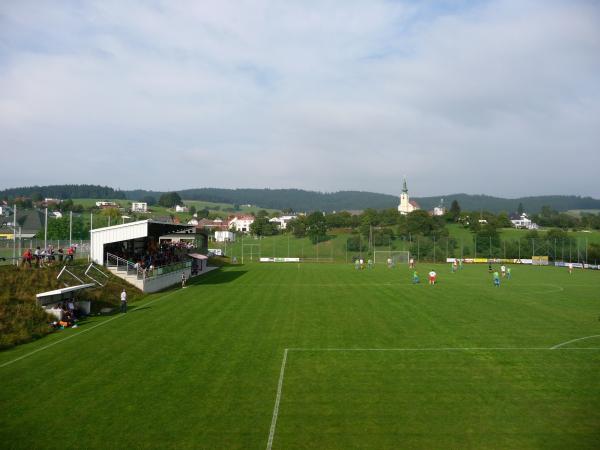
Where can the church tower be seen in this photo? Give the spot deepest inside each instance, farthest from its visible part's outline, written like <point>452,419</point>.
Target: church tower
<point>406,206</point>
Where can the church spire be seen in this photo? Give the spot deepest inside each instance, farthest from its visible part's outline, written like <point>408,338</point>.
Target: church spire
<point>404,188</point>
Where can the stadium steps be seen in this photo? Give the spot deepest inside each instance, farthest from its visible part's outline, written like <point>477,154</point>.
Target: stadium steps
<point>131,279</point>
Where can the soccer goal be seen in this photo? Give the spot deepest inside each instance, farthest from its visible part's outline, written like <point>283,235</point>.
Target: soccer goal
<point>396,256</point>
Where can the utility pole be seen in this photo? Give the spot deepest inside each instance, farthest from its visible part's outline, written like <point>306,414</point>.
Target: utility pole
<point>70,228</point>
<point>14,224</point>
<point>46,229</point>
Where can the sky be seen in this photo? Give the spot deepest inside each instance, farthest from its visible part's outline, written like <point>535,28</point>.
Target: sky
<point>482,97</point>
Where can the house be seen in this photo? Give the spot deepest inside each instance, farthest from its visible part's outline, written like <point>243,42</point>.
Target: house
<point>141,207</point>
<point>181,209</point>
<point>282,221</point>
<point>5,210</point>
<point>240,222</point>
<point>522,221</point>
<point>224,236</point>
<point>29,223</point>
<point>406,205</point>
<point>105,204</point>
<point>439,210</point>
<point>52,201</point>
<point>217,224</point>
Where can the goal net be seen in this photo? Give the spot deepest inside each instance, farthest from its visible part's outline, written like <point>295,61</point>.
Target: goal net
<point>395,257</point>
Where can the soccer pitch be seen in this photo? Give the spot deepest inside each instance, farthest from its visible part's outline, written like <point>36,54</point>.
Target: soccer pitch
<point>321,356</point>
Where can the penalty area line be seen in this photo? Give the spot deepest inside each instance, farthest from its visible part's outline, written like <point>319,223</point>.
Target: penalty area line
<point>560,346</point>
<point>277,401</point>
<point>443,349</point>
<point>85,330</point>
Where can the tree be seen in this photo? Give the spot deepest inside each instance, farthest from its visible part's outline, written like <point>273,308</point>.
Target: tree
<point>150,200</point>
<point>262,227</point>
<point>454,210</point>
<point>355,244</point>
<point>298,226</point>
<point>113,213</point>
<point>192,210</point>
<point>520,209</point>
<point>419,222</point>
<point>169,200</point>
<point>316,227</point>
<point>59,229</point>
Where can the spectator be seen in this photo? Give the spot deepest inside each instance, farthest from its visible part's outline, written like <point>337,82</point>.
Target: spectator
<point>123,301</point>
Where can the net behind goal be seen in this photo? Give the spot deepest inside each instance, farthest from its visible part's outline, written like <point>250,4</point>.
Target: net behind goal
<point>396,256</point>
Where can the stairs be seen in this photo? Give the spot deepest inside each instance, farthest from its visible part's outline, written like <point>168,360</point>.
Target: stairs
<point>124,275</point>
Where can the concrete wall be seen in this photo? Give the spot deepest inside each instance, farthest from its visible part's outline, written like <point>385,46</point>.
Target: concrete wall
<point>164,281</point>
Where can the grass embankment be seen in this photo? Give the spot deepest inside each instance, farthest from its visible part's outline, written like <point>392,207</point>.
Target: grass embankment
<point>22,320</point>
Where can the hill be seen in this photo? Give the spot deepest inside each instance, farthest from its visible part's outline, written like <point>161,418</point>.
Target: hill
<point>302,200</point>
<point>63,191</point>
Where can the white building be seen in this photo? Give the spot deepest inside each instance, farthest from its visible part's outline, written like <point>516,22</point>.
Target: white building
<point>406,205</point>
<point>224,236</point>
<point>105,204</point>
<point>141,207</point>
<point>439,210</point>
<point>523,221</point>
<point>282,221</point>
<point>241,223</point>
<point>181,208</point>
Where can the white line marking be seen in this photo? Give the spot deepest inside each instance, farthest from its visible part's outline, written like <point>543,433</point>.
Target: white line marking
<point>277,400</point>
<point>440,349</point>
<point>77,334</point>
<point>574,340</point>
<point>425,349</point>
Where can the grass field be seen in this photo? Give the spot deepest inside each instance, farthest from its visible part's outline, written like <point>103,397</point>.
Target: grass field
<point>321,356</point>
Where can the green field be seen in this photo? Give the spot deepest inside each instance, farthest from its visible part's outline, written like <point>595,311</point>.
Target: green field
<point>371,362</point>
<point>217,208</point>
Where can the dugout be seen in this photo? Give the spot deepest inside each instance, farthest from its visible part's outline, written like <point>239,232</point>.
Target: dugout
<point>52,300</point>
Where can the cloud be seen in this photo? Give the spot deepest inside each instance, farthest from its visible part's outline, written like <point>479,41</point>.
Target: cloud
<point>497,97</point>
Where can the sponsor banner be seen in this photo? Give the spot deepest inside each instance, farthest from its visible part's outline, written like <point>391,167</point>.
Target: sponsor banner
<point>577,265</point>
<point>279,259</point>
<point>491,260</point>
<point>216,251</point>
<point>539,260</point>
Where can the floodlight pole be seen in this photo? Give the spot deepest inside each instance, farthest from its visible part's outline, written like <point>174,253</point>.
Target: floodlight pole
<point>19,252</point>
<point>46,229</point>
<point>14,224</point>
<point>70,228</point>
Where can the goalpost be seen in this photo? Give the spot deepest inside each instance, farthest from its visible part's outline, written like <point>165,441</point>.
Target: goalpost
<point>397,256</point>
<point>252,251</point>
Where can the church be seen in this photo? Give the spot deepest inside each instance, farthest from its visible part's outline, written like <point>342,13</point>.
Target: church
<point>406,205</point>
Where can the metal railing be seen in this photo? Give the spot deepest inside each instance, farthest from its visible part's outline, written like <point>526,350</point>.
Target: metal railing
<point>123,265</point>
